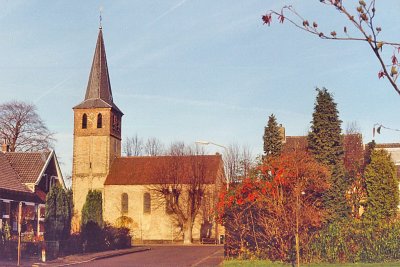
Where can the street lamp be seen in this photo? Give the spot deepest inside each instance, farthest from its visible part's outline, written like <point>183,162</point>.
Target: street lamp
<point>205,143</point>
<point>297,226</point>
<point>202,142</point>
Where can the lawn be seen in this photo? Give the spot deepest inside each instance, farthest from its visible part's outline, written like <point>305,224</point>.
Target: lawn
<point>256,263</point>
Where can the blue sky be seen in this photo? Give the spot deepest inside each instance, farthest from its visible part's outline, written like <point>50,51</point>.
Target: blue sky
<point>190,70</point>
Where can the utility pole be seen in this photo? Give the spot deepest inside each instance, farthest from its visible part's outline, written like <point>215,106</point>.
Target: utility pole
<point>297,230</point>
<point>19,232</point>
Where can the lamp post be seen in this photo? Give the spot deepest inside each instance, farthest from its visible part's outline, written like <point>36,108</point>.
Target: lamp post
<point>202,142</point>
<point>298,194</point>
<point>19,232</point>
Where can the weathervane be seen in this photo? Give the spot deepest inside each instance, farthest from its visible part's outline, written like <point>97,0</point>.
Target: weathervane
<point>100,18</point>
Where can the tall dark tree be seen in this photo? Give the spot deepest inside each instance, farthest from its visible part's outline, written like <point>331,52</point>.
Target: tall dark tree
<point>382,187</point>
<point>272,138</point>
<point>22,128</point>
<point>93,208</point>
<point>325,143</point>
<point>369,148</point>
<point>324,139</point>
<point>58,214</point>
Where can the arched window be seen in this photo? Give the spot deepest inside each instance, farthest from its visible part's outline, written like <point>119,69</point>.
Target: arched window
<point>84,121</point>
<point>99,120</point>
<point>146,203</point>
<point>124,203</point>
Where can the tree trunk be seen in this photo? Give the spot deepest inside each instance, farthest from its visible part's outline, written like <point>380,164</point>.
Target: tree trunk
<point>187,232</point>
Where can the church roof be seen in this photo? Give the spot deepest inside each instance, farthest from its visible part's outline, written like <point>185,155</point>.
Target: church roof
<point>295,143</point>
<point>165,169</point>
<point>98,91</point>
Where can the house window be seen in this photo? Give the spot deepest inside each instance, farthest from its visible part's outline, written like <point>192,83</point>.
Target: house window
<point>84,121</point>
<point>124,203</point>
<point>6,209</point>
<point>99,120</point>
<point>146,203</point>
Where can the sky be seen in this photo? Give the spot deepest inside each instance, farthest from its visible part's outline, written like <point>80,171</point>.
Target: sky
<point>187,70</point>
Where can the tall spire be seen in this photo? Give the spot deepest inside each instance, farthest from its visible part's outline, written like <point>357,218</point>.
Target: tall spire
<point>99,81</point>
<point>98,91</point>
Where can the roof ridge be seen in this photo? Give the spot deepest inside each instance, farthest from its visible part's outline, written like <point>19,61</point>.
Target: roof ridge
<point>165,156</point>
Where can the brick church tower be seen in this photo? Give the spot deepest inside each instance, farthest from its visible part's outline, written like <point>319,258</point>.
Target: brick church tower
<point>97,131</point>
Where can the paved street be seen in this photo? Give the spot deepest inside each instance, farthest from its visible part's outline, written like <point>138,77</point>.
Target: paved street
<point>166,256</point>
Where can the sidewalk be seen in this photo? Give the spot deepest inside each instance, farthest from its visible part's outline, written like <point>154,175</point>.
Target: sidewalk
<point>75,259</point>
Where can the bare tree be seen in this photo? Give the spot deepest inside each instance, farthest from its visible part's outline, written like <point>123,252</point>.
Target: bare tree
<point>133,146</point>
<point>362,18</point>
<point>153,147</point>
<point>23,129</point>
<point>238,161</point>
<point>354,165</point>
<point>183,185</point>
<point>178,149</point>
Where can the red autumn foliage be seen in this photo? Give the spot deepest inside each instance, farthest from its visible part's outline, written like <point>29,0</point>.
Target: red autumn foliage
<point>262,209</point>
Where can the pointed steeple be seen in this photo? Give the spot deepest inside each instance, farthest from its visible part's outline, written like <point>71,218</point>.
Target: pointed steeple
<point>98,91</point>
<point>99,81</point>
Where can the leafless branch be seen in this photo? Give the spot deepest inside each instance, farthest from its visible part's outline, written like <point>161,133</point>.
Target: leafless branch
<point>23,129</point>
<point>362,20</point>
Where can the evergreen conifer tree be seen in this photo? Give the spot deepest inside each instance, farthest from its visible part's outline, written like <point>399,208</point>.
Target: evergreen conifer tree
<point>324,139</point>
<point>58,214</point>
<point>93,208</point>
<point>369,148</point>
<point>335,201</point>
<point>272,138</point>
<point>382,187</point>
<point>325,143</point>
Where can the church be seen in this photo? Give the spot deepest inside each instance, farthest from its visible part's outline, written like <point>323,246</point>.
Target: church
<point>131,187</point>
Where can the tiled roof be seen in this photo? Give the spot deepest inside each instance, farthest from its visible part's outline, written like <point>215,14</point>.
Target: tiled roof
<point>9,179</point>
<point>28,165</point>
<point>164,169</point>
<point>98,92</point>
<point>295,143</point>
<point>388,145</point>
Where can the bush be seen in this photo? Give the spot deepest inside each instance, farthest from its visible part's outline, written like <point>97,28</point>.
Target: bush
<point>94,238</point>
<point>116,237</point>
<point>356,241</point>
<point>72,245</point>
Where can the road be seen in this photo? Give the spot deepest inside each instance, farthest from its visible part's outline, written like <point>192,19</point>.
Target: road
<point>166,255</point>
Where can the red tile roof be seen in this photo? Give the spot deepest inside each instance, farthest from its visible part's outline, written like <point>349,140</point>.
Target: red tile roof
<point>388,145</point>
<point>28,165</point>
<point>164,169</point>
<point>295,143</point>
<point>9,179</point>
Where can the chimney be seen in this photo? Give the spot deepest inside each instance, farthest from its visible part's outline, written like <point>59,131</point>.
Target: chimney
<point>5,147</point>
<point>281,130</point>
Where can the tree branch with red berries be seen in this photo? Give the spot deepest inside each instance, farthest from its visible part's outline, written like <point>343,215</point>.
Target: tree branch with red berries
<point>363,20</point>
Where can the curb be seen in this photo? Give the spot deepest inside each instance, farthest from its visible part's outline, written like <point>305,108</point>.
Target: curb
<point>107,255</point>
<point>118,254</point>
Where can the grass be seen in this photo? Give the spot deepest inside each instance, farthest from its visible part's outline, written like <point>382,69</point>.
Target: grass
<point>256,263</point>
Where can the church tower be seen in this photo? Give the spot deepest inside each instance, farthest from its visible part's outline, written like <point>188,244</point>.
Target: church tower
<point>97,131</point>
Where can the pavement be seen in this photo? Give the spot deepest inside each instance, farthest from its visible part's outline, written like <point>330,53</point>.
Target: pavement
<point>74,259</point>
